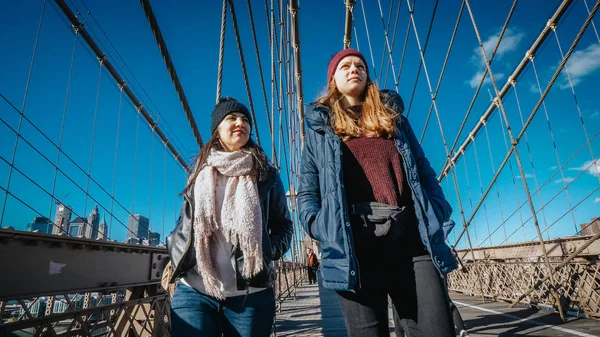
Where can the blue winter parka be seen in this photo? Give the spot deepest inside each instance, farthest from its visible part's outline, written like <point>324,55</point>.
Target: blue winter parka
<point>323,209</point>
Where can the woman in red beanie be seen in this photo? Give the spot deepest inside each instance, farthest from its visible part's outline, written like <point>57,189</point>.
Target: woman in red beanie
<point>368,194</point>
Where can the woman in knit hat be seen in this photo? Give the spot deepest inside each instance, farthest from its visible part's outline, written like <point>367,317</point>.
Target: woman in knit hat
<point>368,194</point>
<point>234,222</point>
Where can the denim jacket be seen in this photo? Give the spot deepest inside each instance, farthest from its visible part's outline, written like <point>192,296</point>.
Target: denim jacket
<point>323,209</point>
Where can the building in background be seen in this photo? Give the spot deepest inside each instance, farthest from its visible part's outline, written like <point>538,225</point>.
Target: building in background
<point>93,223</point>
<point>591,228</point>
<point>62,219</point>
<point>40,224</point>
<point>102,230</point>
<point>78,227</point>
<point>140,233</point>
<point>138,227</point>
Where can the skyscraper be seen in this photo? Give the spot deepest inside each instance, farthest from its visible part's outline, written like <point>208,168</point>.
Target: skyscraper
<point>140,232</point>
<point>93,222</point>
<point>102,230</point>
<point>139,227</point>
<point>62,219</point>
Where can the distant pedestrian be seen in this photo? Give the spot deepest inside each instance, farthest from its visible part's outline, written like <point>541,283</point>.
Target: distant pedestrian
<point>312,266</point>
<point>234,222</point>
<point>368,194</point>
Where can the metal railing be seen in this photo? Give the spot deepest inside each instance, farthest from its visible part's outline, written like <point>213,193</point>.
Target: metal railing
<point>507,272</point>
<point>92,288</point>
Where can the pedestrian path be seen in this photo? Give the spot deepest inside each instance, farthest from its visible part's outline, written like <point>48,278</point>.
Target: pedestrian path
<point>315,312</point>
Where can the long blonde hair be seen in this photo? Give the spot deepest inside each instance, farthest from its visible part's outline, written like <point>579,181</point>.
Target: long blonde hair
<point>375,120</point>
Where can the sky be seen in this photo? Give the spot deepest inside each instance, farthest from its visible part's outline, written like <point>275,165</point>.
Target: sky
<point>102,133</point>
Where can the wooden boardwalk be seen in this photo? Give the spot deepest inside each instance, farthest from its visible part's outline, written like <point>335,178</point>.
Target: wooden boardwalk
<point>315,312</point>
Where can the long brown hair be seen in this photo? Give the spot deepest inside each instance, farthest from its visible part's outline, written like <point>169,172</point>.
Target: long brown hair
<point>259,169</point>
<point>375,120</point>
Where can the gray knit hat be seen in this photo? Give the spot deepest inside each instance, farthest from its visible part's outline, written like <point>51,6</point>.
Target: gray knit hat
<point>224,107</point>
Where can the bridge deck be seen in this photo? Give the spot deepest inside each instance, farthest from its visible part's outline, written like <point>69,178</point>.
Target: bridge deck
<point>315,312</point>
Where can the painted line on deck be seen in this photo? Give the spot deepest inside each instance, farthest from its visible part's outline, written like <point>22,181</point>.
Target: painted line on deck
<point>527,320</point>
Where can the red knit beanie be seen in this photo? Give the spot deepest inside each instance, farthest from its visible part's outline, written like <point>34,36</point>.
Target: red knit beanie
<point>335,60</point>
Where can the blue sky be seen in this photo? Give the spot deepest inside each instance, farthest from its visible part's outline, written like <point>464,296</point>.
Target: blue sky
<point>191,30</point>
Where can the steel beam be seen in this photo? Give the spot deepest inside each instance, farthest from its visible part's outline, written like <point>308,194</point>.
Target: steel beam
<point>35,264</point>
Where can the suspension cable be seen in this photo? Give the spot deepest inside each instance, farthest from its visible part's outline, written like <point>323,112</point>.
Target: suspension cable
<point>355,33</point>
<point>349,16</point>
<point>481,191</point>
<point>387,68</point>
<point>14,153</point>
<point>550,179</point>
<point>114,179</point>
<point>408,28</point>
<point>593,25</point>
<point>368,37</point>
<point>135,157</point>
<point>56,167</point>
<point>387,43</point>
<point>162,47</point>
<point>64,117</point>
<point>533,171</point>
<point>262,83</point>
<point>512,174</point>
<point>513,141</point>
<point>298,66</point>
<point>118,79</point>
<point>576,101</point>
<point>514,76</point>
<point>443,71</point>
<point>422,60</point>
<point>433,99</point>
<point>89,172</point>
<point>221,50</point>
<point>537,106</point>
<point>552,139</point>
<point>243,64</point>
<point>387,28</point>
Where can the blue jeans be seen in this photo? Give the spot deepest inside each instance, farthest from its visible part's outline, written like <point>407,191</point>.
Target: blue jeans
<point>196,314</point>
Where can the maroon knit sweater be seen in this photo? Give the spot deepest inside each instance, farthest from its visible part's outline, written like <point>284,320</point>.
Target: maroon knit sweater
<point>373,172</point>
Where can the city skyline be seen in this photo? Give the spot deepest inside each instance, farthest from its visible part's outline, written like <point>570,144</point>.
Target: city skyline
<point>93,227</point>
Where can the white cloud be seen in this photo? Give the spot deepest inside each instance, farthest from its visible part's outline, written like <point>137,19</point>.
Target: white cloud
<point>580,64</point>
<point>474,81</point>
<point>534,88</point>
<point>566,180</point>
<point>591,166</point>
<point>527,176</point>
<point>597,201</point>
<point>509,43</point>
<point>594,114</point>
<point>553,168</point>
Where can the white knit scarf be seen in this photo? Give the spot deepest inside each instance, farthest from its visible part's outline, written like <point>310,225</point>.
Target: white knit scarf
<point>240,216</point>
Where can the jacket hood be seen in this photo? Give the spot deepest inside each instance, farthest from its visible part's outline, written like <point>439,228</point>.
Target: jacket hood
<point>318,116</point>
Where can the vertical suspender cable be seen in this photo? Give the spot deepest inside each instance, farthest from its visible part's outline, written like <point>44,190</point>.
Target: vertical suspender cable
<point>221,50</point>
<point>298,67</point>
<point>243,64</point>
<point>14,154</point>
